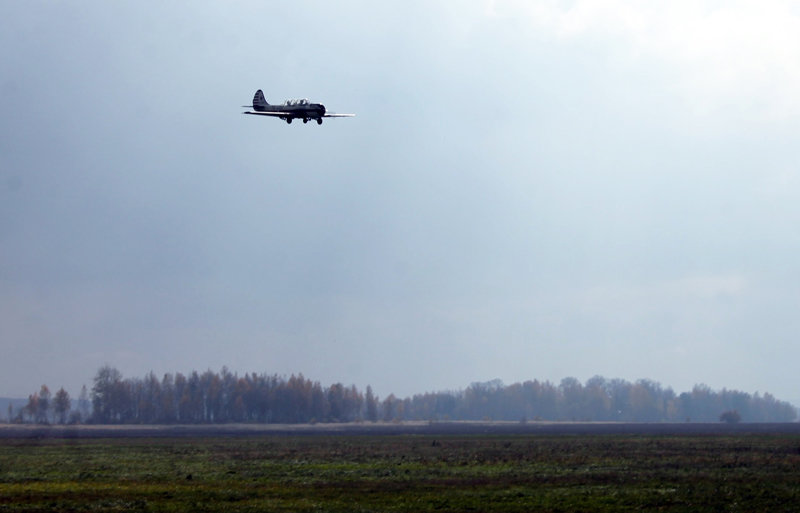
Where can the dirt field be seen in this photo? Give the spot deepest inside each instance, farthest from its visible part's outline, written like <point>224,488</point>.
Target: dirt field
<point>405,428</point>
<point>455,467</point>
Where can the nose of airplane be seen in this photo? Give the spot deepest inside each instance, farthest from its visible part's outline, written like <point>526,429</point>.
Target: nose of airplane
<point>322,107</point>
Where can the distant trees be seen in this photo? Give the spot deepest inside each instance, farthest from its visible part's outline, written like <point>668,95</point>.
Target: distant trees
<point>371,405</point>
<point>84,406</point>
<point>110,399</point>
<point>222,397</point>
<point>61,405</point>
<point>30,410</point>
<point>730,416</point>
<point>38,406</point>
<point>43,410</point>
<point>596,400</point>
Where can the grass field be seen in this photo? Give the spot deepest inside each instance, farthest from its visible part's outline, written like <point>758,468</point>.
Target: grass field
<point>403,473</point>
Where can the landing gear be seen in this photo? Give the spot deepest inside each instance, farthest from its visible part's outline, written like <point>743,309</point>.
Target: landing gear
<point>305,120</point>
<point>289,120</point>
<point>319,121</point>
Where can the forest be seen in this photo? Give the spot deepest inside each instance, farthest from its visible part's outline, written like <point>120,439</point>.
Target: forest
<point>225,397</point>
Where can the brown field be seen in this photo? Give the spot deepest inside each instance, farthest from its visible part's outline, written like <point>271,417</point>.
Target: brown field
<point>430,467</point>
<point>402,428</point>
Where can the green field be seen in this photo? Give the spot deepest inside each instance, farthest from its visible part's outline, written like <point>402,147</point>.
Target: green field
<point>403,473</point>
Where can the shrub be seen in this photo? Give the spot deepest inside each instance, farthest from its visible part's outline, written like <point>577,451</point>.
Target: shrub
<point>730,416</point>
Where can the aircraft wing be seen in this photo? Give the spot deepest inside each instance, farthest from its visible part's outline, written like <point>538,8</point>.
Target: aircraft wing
<point>334,115</point>
<point>266,113</point>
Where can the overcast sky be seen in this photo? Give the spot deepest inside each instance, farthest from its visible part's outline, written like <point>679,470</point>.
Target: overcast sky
<point>530,189</point>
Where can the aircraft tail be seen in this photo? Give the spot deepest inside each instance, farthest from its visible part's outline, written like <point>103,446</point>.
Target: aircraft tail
<point>259,100</point>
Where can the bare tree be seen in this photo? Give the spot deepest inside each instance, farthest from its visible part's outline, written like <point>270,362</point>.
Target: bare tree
<point>84,404</point>
<point>31,409</point>
<point>108,397</point>
<point>61,405</point>
<point>372,405</point>
<point>43,410</point>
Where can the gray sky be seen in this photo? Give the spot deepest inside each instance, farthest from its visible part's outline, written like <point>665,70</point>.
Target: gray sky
<point>530,189</point>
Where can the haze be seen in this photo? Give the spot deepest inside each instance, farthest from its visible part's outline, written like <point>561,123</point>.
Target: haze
<point>530,189</point>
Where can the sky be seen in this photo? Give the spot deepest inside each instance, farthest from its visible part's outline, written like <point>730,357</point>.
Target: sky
<point>529,190</point>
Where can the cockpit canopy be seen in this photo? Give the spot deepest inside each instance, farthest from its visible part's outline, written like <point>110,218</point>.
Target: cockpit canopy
<point>301,101</point>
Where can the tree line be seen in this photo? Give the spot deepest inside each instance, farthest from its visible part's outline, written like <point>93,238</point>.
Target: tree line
<point>224,397</point>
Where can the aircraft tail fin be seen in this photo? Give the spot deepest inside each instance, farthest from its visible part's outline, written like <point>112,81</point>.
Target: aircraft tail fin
<point>259,100</point>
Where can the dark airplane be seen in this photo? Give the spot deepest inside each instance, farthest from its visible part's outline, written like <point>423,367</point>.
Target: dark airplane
<point>291,109</point>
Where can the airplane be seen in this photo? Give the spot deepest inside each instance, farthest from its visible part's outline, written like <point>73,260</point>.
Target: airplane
<point>291,109</point>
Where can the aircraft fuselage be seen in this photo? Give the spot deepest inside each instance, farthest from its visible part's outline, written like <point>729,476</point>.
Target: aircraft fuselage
<point>310,111</point>
<point>291,109</point>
